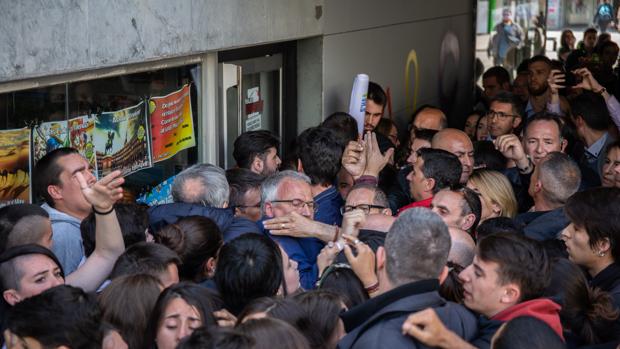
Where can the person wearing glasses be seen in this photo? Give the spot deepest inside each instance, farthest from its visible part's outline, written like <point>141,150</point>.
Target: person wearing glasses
<point>244,192</point>
<point>504,116</point>
<point>287,204</point>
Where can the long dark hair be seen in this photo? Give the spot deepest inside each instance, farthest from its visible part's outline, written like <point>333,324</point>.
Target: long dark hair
<point>197,296</point>
<point>587,313</point>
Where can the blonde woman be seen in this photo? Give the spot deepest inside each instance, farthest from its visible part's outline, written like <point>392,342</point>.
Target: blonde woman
<point>496,194</point>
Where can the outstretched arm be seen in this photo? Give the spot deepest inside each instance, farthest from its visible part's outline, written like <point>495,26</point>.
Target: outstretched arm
<point>109,243</point>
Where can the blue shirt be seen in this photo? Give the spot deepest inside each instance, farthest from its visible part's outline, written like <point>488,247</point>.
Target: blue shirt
<point>294,248</point>
<point>67,239</point>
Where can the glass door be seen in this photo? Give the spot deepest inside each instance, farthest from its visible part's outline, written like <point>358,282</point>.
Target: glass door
<point>251,99</point>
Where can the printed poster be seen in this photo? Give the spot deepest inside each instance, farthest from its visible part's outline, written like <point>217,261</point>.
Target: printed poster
<point>15,166</point>
<point>48,136</point>
<point>159,195</point>
<point>121,141</point>
<point>81,137</point>
<point>172,125</point>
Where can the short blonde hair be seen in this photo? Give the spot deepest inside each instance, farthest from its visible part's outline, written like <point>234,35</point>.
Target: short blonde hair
<point>495,187</point>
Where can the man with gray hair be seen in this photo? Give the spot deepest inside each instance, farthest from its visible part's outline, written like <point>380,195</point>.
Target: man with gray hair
<point>554,180</point>
<point>201,184</point>
<point>201,190</point>
<point>410,268</point>
<point>288,205</point>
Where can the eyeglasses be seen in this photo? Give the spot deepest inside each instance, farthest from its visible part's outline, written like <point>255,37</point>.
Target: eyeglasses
<point>297,203</point>
<point>491,114</point>
<point>364,207</point>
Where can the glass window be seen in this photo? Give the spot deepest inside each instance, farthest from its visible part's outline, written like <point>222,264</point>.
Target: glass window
<point>70,100</point>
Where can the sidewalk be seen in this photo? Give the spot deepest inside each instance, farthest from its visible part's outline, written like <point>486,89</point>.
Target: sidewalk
<point>482,40</point>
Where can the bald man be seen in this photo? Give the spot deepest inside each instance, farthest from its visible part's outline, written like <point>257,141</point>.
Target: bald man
<point>430,118</point>
<point>458,143</point>
<point>462,249</point>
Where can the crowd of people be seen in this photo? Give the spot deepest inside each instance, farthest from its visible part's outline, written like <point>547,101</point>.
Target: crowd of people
<point>503,234</point>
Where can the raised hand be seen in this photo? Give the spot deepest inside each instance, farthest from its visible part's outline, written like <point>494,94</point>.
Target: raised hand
<point>375,161</point>
<point>362,263</point>
<point>103,193</point>
<point>354,159</point>
<point>588,82</point>
<point>510,146</point>
<point>327,256</point>
<point>556,81</point>
<point>352,221</point>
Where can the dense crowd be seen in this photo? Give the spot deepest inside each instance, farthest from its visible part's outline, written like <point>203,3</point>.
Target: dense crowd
<point>503,234</point>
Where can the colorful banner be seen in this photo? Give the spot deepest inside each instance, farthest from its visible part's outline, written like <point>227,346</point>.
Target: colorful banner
<point>159,195</point>
<point>172,126</point>
<point>15,166</point>
<point>121,141</point>
<point>48,136</point>
<point>81,137</point>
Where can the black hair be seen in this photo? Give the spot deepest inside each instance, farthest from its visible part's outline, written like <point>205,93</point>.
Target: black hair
<point>508,98</point>
<point>198,297</point>
<point>320,153</point>
<point>343,281</point>
<point>286,309</point>
<point>471,204</point>
<point>487,156</point>
<point>344,125</point>
<point>497,225</point>
<point>251,144</point>
<point>60,316</point>
<point>270,333</point>
<point>47,172</point>
<point>520,260</point>
<point>195,239</point>
<point>442,166</point>
<point>384,127</point>
<point>499,73</point>
<point>9,275</point>
<point>11,215</point>
<point>451,288</point>
<point>586,312</point>
<point>540,58</point>
<point>523,66</point>
<point>425,134</point>
<point>241,180</point>
<point>323,309</point>
<point>144,258</point>
<point>527,332</point>
<point>249,267</point>
<point>597,212</point>
<point>547,117</point>
<point>132,218</point>
<point>376,94</point>
<point>592,109</point>
<point>127,303</point>
<point>216,338</point>
<point>590,31</point>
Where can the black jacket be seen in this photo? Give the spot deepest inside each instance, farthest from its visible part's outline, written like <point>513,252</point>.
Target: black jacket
<point>231,226</point>
<point>377,323</point>
<point>543,226</point>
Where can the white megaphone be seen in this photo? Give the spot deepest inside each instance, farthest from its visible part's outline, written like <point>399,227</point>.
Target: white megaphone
<point>357,105</point>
